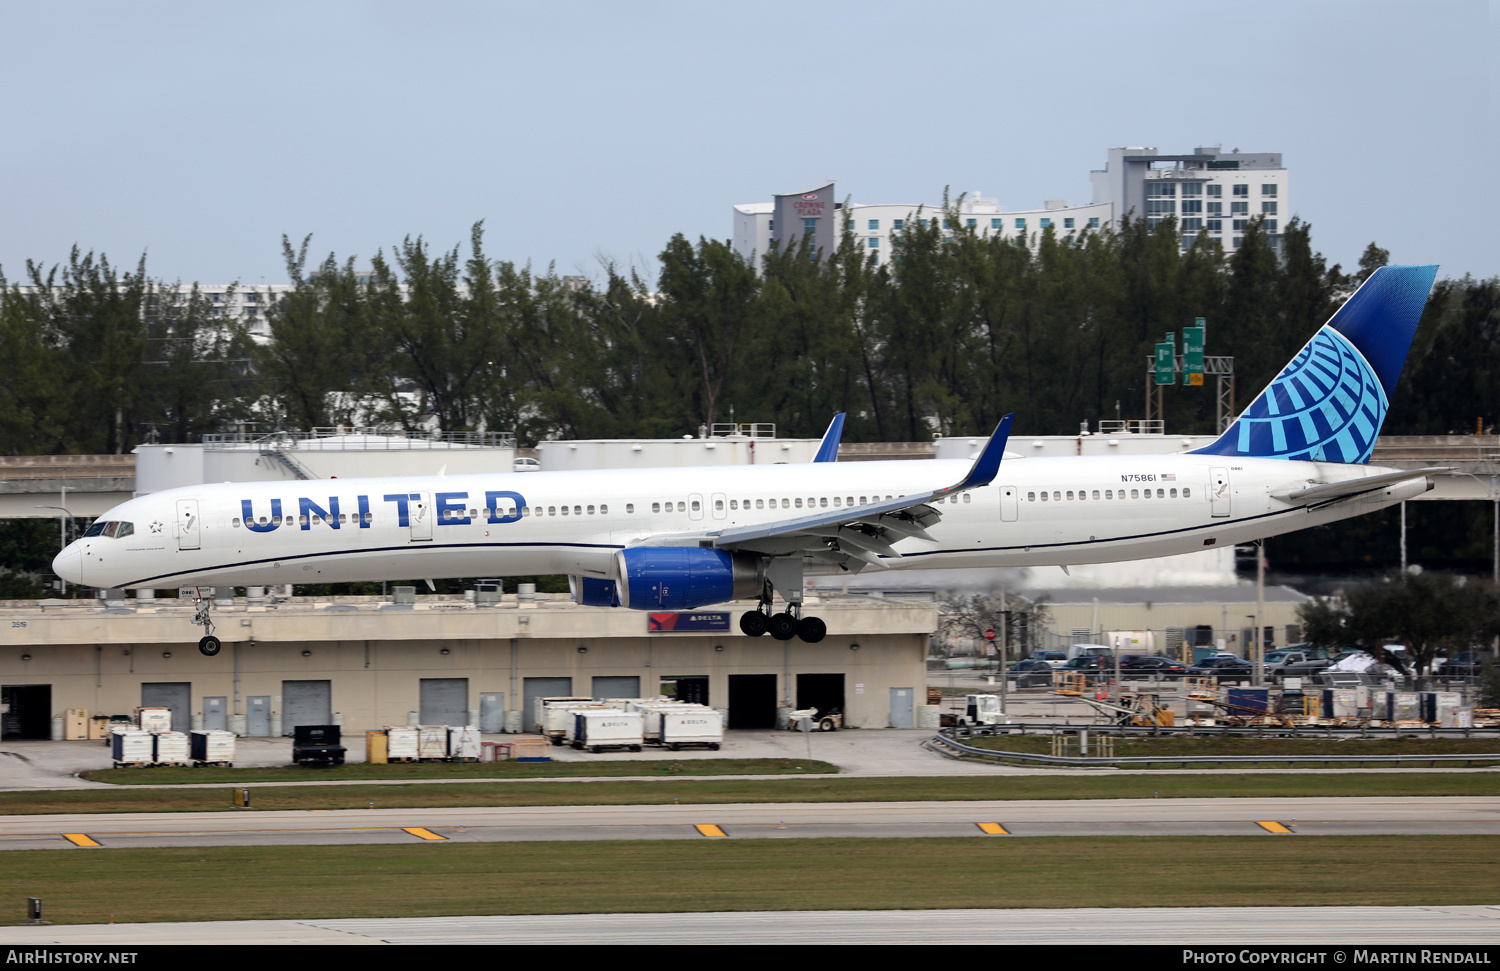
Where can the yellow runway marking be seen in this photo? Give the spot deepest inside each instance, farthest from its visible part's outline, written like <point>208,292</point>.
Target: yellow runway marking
<point>709,829</point>
<point>421,832</point>
<point>80,839</point>
<point>1272,827</point>
<point>993,829</point>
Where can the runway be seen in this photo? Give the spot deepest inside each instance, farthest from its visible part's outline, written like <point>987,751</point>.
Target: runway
<point>1450,815</point>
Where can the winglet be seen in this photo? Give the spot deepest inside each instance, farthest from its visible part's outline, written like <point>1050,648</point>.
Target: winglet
<point>988,463</point>
<point>828,449</point>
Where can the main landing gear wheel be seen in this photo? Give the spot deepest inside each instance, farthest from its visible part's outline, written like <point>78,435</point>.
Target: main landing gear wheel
<point>209,645</point>
<point>811,629</point>
<point>754,623</point>
<point>783,627</point>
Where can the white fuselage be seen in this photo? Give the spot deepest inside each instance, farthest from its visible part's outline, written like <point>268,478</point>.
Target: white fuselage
<point>1096,509</point>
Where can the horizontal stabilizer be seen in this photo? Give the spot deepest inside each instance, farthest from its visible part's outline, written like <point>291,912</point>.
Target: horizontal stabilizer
<point>1352,487</point>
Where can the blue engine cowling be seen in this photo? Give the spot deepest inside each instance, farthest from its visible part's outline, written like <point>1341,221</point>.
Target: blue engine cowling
<point>592,592</point>
<point>686,577</point>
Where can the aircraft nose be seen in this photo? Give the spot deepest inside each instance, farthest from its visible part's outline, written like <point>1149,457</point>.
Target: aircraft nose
<point>69,564</point>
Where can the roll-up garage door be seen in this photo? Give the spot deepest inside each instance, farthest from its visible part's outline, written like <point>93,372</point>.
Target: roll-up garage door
<point>445,701</point>
<point>305,703</point>
<point>176,695</point>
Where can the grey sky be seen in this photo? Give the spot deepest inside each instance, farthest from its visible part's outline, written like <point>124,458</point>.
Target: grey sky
<point>581,131</point>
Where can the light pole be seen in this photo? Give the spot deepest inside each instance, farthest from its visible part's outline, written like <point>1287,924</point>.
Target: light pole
<point>63,523</point>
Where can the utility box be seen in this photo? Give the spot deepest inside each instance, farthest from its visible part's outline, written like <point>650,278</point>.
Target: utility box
<point>400,743</point>
<point>130,746</point>
<point>463,744</point>
<point>211,747</point>
<point>153,719</point>
<point>375,748</point>
<point>597,729</point>
<point>702,727</point>
<point>75,725</point>
<point>170,748</point>
<point>1249,701</point>
<point>432,742</point>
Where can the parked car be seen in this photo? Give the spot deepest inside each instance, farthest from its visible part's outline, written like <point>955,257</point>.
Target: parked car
<point>1222,668</point>
<point>1030,674</point>
<point>1310,668</point>
<point>1088,662</point>
<point>1278,661</point>
<point>1464,664</point>
<point>1055,659</point>
<point>1091,666</point>
<point>524,464</point>
<point>1136,668</point>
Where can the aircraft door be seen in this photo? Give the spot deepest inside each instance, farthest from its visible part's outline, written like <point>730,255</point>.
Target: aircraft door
<point>421,516</point>
<point>187,524</point>
<point>720,505</point>
<point>1009,507</point>
<point>695,506</point>
<point>1218,491</point>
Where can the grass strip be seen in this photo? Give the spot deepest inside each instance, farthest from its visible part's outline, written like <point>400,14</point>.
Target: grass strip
<point>1413,747</point>
<point>667,768</point>
<point>647,876</point>
<point>701,791</point>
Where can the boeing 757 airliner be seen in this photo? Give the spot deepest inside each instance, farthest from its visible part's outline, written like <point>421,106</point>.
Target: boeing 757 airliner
<point>679,539</point>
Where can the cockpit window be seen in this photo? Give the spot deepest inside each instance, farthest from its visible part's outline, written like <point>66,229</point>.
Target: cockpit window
<point>113,529</point>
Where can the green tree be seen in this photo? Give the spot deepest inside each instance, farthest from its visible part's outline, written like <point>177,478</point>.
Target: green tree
<point>325,357</point>
<point>1422,611</point>
<point>710,307</point>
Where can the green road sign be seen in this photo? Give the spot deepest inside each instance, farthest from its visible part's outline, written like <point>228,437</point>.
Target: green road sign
<point>1192,354</point>
<point>1166,354</point>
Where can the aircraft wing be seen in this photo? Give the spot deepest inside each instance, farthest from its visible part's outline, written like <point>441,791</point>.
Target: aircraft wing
<point>1351,487</point>
<point>828,449</point>
<point>854,536</point>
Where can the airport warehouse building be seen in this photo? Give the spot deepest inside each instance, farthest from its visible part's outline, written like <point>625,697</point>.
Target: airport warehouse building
<point>364,664</point>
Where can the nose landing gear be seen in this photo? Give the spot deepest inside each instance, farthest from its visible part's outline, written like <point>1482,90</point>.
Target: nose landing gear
<point>208,644</point>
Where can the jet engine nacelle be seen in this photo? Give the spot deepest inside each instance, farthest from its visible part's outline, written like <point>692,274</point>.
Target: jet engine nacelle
<point>592,592</point>
<point>685,577</point>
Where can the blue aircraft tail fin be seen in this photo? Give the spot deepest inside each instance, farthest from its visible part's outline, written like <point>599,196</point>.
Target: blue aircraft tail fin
<point>1328,404</point>
<point>828,449</point>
